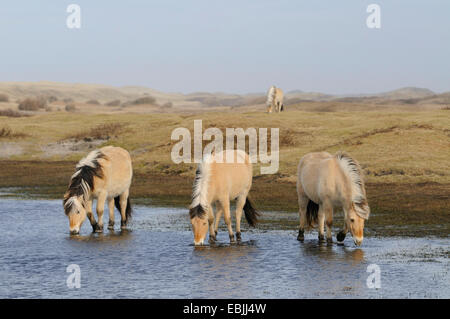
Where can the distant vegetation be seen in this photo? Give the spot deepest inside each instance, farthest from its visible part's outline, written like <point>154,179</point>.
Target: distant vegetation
<point>99,132</point>
<point>4,98</point>
<point>144,100</point>
<point>33,104</point>
<point>113,103</point>
<point>51,99</point>
<point>71,108</point>
<point>93,102</point>
<point>11,113</point>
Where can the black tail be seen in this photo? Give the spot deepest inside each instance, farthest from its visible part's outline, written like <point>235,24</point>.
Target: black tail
<point>250,213</point>
<point>128,210</point>
<point>312,213</point>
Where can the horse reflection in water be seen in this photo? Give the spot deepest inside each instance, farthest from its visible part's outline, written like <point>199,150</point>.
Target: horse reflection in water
<point>110,237</point>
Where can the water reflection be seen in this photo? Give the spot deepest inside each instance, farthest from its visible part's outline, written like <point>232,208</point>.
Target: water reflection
<point>224,269</point>
<point>332,251</point>
<point>110,236</point>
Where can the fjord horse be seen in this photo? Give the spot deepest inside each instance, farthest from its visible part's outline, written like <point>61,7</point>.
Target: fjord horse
<point>220,178</point>
<point>325,182</point>
<point>274,99</point>
<point>104,174</point>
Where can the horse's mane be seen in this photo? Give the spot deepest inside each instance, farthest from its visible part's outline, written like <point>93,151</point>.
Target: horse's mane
<point>200,190</point>
<point>352,168</point>
<point>271,95</point>
<point>82,181</point>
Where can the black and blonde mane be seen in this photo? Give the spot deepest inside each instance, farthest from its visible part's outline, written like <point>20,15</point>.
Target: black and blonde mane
<point>82,182</point>
<point>352,168</point>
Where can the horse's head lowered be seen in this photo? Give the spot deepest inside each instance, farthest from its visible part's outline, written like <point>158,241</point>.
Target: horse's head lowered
<point>199,221</point>
<point>76,212</point>
<point>354,220</point>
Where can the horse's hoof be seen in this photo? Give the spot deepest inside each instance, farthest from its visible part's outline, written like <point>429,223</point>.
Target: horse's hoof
<point>215,233</point>
<point>111,226</point>
<point>212,239</point>
<point>329,240</point>
<point>238,237</point>
<point>321,238</point>
<point>340,236</point>
<point>301,235</point>
<point>232,240</point>
<point>99,229</point>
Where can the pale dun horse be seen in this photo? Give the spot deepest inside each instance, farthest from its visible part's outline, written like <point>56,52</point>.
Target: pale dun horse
<point>105,174</point>
<point>220,178</point>
<point>274,100</point>
<point>326,182</point>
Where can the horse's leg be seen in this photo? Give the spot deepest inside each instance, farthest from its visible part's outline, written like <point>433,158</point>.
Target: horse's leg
<point>219,210</point>
<point>225,202</point>
<point>329,222</point>
<point>123,208</point>
<point>341,235</point>
<point>90,215</point>
<point>240,202</point>
<point>212,234</point>
<point>100,208</point>
<point>302,204</point>
<point>321,221</point>
<point>269,109</point>
<point>111,213</point>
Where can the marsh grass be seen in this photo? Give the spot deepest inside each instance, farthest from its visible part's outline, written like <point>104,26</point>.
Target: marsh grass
<point>99,132</point>
<point>7,132</point>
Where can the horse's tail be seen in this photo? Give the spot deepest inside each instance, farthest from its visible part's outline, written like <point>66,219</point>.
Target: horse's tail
<point>82,181</point>
<point>200,191</point>
<point>312,213</point>
<point>250,213</point>
<point>128,209</point>
<point>271,95</point>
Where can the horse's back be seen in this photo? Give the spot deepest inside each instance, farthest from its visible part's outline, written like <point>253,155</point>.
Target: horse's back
<point>321,178</point>
<point>117,170</point>
<point>314,175</point>
<point>231,178</point>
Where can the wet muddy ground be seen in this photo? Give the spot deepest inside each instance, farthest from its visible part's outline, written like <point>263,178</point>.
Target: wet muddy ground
<point>156,259</point>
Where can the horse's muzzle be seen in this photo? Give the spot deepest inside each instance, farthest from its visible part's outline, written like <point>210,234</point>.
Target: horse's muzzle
<point>74,232</point>
<point>358,242</point>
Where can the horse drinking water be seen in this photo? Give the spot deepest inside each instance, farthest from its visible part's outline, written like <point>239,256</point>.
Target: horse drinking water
<point>105,174</point>
<point>325,182</point>
<point>220,178</point>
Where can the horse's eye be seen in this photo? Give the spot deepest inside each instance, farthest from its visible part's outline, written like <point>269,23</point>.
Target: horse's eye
<point>352,220</point>
<point>204,224</point>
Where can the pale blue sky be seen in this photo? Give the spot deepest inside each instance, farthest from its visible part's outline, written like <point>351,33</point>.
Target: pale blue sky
<point>229,46</point>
